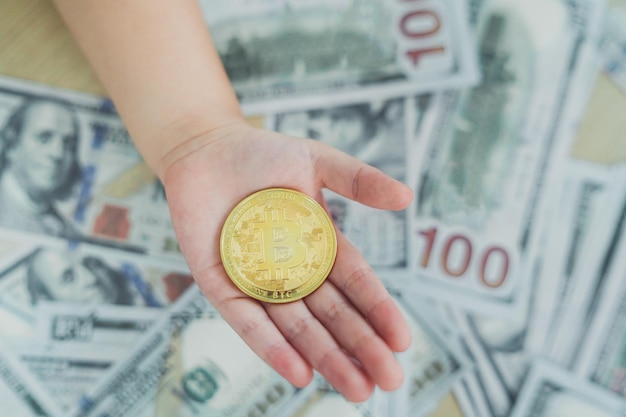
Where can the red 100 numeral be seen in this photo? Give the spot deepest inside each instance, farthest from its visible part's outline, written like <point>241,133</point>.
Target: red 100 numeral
<point>420,24</point>
<point>466,245</point>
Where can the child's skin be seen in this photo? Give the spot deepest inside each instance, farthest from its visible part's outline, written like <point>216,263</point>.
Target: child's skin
<point>157,62</point>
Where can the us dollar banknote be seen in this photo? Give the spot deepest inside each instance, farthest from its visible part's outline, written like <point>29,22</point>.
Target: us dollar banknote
<point>20,393</point>
<point>68,372</point>
<point>487,158</point>
<point>601,357</point>
<point>68,168</point>
<point>470,397</point>
<point>432,364</point>
<point>324,401</point>
<point>288,54</point>
<point>53,270</point>
<point>487,340</point>
<point>567,280</point>
<point>551,391</point>
<point>502,347</point>
<point>190,363</point>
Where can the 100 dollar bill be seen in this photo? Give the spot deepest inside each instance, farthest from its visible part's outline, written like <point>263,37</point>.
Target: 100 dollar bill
<point>288,54</point>
<point>55,271</point>
<point>550,391</point>
<point>576,244</point>
<point>191,363</point>
<point>432,364</point>
<point>324,401</point>
<point>601,358</point>
<point>68,168</point>
<point>20,394</point>
<point>488,156</point>
<point>68,372</point>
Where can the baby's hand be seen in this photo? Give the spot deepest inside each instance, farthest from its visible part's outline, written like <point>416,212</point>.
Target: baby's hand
<point>349,328</point>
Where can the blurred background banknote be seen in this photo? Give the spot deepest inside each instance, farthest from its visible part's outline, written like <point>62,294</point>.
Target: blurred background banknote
<point>86,182</point>
<point>613,46</point>
<point>508,266</point>
<point>296,53</point>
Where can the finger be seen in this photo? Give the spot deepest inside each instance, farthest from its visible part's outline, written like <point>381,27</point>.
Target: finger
<point>250,320</point>
<point>312,340</point>
<point>358,181</point>
<point>355,335</point>
<point>353,276</point>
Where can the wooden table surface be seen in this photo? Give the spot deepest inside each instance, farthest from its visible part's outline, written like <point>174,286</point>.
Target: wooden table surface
<point>35,45</point>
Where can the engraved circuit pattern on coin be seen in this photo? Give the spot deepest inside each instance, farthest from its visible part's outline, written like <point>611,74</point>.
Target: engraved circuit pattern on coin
<point>278,245</point>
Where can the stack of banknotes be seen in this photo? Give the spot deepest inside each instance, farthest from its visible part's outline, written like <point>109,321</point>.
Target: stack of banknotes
<point>510,265</point>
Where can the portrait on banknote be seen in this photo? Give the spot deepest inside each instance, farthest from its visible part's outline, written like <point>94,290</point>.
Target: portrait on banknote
<point>51,276</point>
<point>82,275</point>
<point>56,275</point>
<point>69,169</point>
<point>38,166</point>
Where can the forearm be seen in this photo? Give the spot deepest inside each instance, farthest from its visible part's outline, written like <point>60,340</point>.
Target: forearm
<point>158,63</point>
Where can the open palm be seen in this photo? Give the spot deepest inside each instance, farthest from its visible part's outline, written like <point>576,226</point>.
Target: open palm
<point>349,328</point>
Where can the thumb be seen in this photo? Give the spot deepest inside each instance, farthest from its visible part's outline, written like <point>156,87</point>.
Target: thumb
<point>357,180</point>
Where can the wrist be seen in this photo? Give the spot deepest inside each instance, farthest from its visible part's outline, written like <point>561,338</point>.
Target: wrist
<point>179,140</point>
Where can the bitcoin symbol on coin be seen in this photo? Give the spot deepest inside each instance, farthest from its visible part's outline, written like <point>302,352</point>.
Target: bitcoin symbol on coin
<point>281,248</point>
<point>278,245</point>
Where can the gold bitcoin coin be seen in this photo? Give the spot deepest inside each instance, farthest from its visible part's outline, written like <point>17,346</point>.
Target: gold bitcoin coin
<point>278,245</point>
